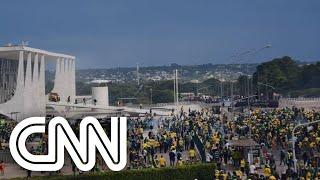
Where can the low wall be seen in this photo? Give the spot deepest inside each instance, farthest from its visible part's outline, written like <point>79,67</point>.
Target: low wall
<point>307,103</point>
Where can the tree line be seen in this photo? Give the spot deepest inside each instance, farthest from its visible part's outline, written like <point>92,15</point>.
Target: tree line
<point>284,76</point>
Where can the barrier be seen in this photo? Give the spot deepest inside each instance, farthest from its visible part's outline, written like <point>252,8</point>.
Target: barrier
<point>200,147</point>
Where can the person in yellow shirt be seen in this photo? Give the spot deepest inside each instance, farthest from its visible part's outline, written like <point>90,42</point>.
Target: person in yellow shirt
<point>192,155</point>
<point>239,174</point>
<point>140,130</point>
<point>180,162</point>
<point>267,171</point>
<point>272,178</point>
<point>223,175</point>
<point>242,165</point>
<point>216,174</point>
<point>308,176</point>
<point>162,161</point>
<point>312,144</point>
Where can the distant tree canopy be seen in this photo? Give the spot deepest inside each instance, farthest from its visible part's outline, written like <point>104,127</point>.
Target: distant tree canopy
<point>285,75</point>
<point>243,85</point>
<point>162,91</point>
<point>310,76</point>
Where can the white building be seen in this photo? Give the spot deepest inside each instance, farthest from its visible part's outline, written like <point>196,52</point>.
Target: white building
<point>22,81</point>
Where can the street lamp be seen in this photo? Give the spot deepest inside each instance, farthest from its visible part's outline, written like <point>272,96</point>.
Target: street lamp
<point>266,85</point>
<point>151,96</point>
<point>249,53</point>
<point>252,53</point>
<point>221,89</point>
<point>293,142</point>
<point>232,101</point>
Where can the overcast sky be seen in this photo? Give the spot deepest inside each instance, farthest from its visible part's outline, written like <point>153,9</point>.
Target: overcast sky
<point>115,33</point>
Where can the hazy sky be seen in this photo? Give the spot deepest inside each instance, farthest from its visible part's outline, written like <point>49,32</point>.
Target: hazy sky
<point>115,33</point>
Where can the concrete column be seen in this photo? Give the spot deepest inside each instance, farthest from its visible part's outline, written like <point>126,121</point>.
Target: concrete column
<point>66,65</point>
<point>16,103</point>
<point>20,76</point>
<point>70,79</point>
<point>58,68</point>
<point>35,69</point>
<point>57,76</point>
<point>73,79</point>
<point>62,81</point>
<point>28,99</point>
<point>42,87</point>
<point>66,80</point>
<point>28,78</point>
<point>35,86</point>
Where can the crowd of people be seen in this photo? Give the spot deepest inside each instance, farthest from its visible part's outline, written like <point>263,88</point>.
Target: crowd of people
<point>201,136</point>
<point>271,129</point>
<point>6,127</point>
<point>147,146</point>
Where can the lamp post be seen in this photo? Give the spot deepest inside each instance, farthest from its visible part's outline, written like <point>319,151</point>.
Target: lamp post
<point>248,53</point>
<point>266,85</point>
<point>150,96</point>
<point>293,141</point>
<point>252,53</point>
<point>232,101</point>
<point>174,87</point>
<point>248,89</point>
<point>138,76</point>
<point>221,89</point>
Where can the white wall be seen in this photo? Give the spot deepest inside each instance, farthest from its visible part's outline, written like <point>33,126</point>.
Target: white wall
<point>101,94</point>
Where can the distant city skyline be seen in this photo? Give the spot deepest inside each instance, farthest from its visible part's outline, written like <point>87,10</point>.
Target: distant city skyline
<point>106,34</point>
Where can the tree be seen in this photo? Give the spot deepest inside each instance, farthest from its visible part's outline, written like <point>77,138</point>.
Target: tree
<point>281,73</point>
<point>285,75</point>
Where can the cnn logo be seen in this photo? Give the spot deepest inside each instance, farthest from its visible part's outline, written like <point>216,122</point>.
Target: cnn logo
<point>61,137</point>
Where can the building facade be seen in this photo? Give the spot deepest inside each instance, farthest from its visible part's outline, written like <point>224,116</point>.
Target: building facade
<point>22,81</point>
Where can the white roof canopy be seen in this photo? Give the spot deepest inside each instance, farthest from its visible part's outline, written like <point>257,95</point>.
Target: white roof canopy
<point>12,52</point>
